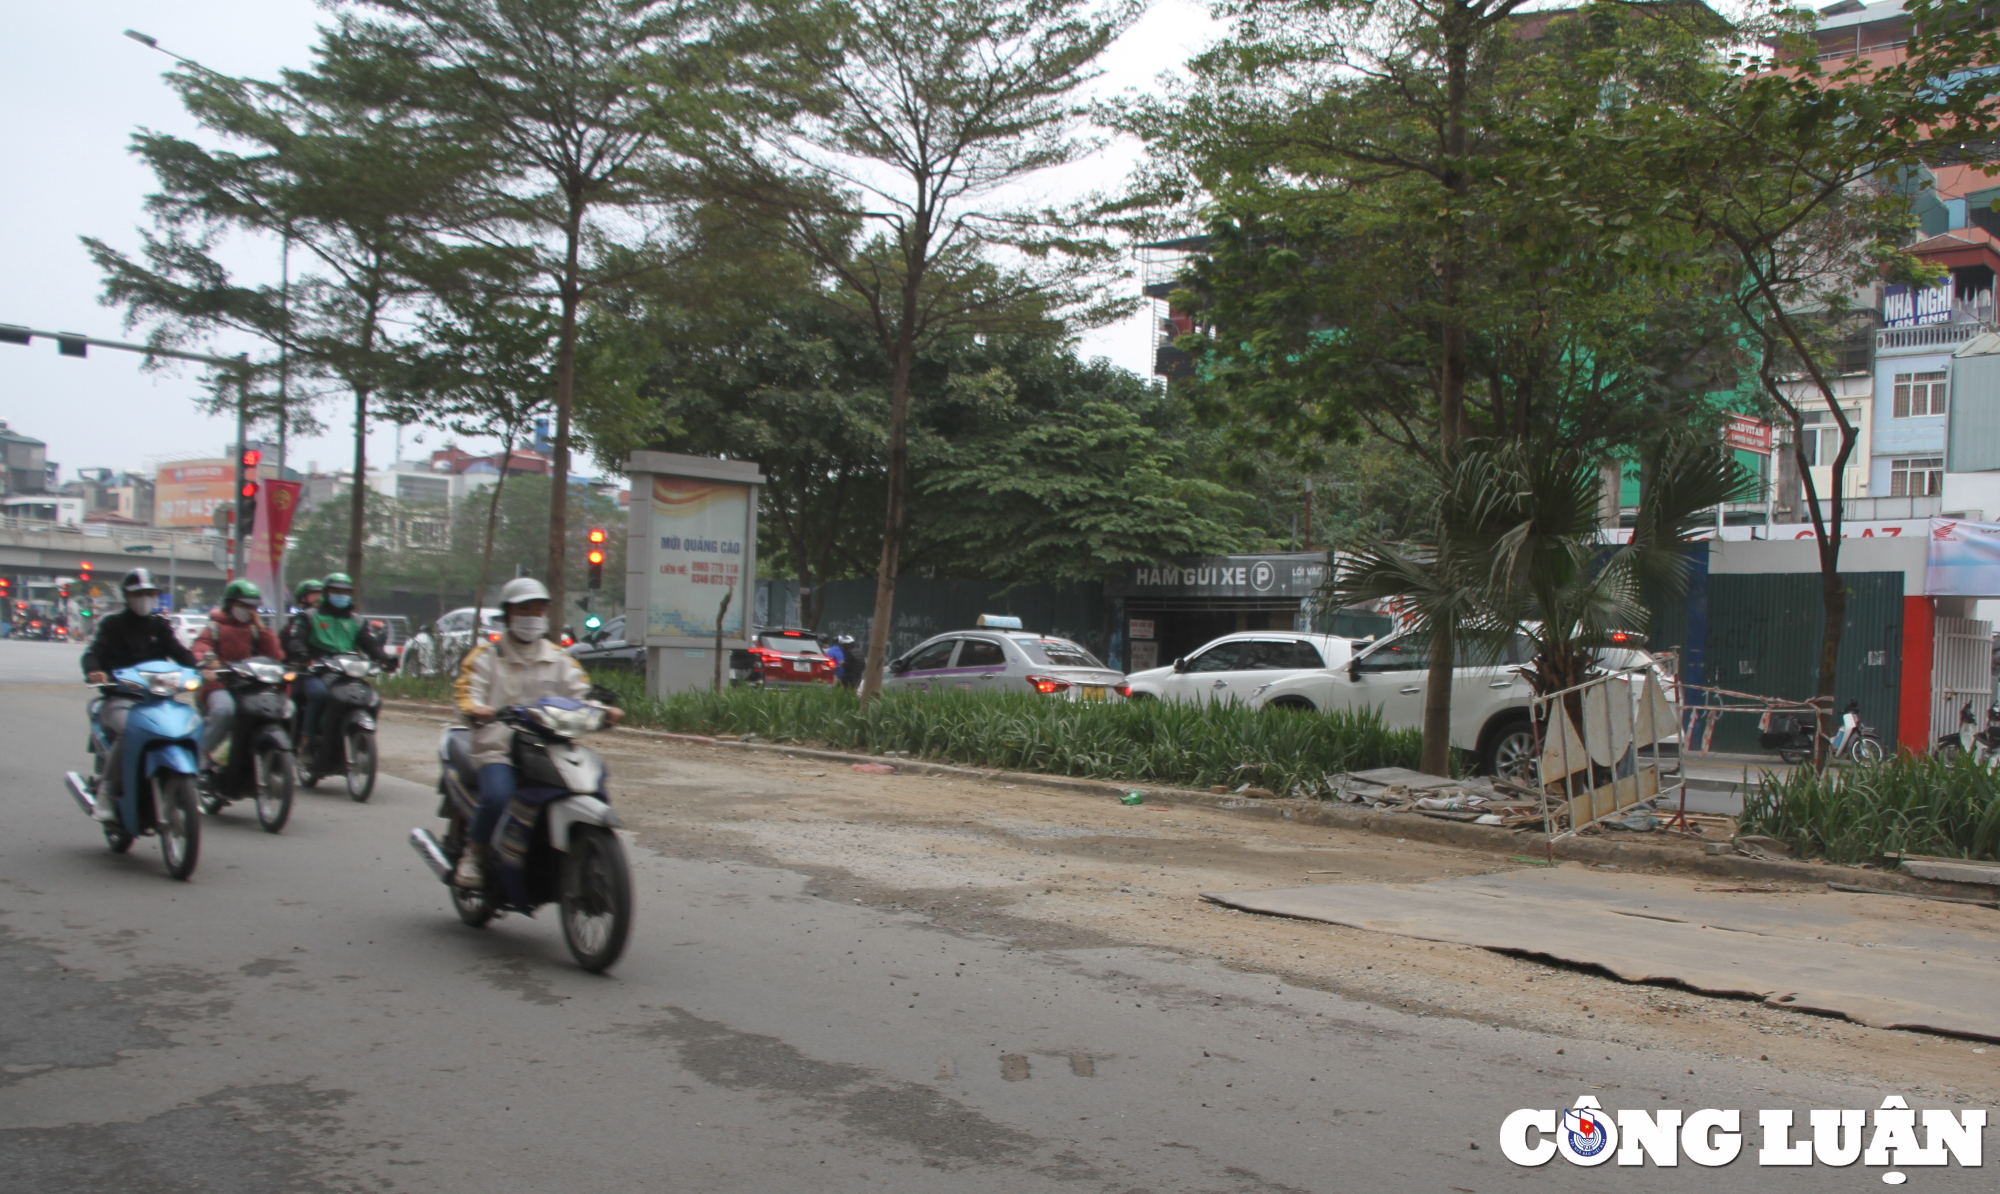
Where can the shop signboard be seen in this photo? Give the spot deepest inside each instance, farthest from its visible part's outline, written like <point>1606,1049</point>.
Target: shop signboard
<point>1274,575</point>
<point>691,540</point>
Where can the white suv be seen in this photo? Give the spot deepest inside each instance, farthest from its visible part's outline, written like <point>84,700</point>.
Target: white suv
<point>1237,665</point>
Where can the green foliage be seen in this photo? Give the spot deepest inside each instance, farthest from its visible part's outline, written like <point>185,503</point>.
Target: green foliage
<point>1862,812</point>
<point>1154,742</point>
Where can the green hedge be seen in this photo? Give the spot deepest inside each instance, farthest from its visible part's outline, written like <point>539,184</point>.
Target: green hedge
<point>1144,742</point>
<point>1902,805</point>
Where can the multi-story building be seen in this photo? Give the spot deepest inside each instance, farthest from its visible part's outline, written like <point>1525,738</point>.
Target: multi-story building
<point>24,465</point>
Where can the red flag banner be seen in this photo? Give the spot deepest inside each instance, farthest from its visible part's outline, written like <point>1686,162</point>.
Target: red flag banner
<point>277,503</point>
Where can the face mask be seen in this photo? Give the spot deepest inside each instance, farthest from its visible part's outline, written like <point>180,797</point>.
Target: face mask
<point>528,629</point>
<point>241,613</point>
<point>339,600</point>
<point>141,605</point>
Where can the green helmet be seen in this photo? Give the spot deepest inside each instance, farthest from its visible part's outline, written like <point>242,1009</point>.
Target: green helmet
<point>242,590</point>
<point>339,580</point>
<point>306,586</point>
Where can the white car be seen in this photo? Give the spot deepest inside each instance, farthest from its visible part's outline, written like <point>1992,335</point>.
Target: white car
<point>439,648</point>
<point>1004,661</point>
<point>188,626</point>
<point>1236,665</point>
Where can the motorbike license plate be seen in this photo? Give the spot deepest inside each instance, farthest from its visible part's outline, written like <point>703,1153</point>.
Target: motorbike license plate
<point>1092,692</point>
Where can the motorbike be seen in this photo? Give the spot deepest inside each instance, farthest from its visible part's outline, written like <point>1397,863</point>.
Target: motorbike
<point>555,842</point>
<point>1982,745</point>
<point>1793,738</point>
<point>256,761</point>
<point>162,743</point>
<point>344,741</point>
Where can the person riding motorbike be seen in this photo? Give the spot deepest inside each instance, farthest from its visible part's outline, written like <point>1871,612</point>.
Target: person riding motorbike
<point>332,629</point>
<point>234,632</point>
<point>523,666</point>
<point>849,672</point>
<point>292,638</point>
<point>135,635</point>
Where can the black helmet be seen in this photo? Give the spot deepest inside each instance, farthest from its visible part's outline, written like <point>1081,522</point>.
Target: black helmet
<point>139,580</point>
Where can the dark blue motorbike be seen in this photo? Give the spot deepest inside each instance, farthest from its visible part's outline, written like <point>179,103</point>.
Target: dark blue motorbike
<point>555,844</point>
<point>162,746</point>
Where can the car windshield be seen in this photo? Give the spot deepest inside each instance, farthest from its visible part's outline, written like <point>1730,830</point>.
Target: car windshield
<point>788,643</point>
<point>1056,652</point>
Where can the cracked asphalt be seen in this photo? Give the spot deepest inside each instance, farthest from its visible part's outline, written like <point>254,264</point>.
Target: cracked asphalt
<point>306,1015</point>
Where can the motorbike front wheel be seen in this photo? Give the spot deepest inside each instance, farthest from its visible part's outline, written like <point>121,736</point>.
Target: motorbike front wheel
<point>179,823</point>
<point>360,763</point>
<point>276,775</point>
<point>596,898</point>
<point>1867,750</point>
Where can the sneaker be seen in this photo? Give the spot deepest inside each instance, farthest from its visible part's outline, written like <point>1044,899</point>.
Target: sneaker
<point>471,872</point>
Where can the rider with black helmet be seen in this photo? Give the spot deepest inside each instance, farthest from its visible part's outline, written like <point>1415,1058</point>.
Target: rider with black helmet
<point>132,636</point>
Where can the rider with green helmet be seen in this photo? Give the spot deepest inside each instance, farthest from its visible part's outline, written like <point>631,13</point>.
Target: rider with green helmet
<point>293,636</point>
<point>331,628</point>
<point>234,632</point>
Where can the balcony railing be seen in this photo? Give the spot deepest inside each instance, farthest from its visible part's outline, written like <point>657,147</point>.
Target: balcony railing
<point>1937,335</point>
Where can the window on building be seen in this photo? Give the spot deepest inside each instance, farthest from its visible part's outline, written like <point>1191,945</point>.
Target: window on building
<point>1919,394</point>
<point>1920,476</point>
<point>1821,435</point>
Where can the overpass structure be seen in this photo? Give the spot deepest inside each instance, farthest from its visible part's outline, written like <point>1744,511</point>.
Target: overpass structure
<point>39,553</point>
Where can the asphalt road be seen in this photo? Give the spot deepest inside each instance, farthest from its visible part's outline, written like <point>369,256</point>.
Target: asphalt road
<point>307,1015</point>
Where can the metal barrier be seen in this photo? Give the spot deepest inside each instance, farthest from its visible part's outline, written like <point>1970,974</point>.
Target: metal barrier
<point>1612,761</point>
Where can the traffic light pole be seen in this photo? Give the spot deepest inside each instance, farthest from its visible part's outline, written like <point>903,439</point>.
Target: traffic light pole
<point>237,537</point>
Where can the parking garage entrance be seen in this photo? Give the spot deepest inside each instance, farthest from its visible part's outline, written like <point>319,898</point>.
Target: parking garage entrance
<point>1162,611</point>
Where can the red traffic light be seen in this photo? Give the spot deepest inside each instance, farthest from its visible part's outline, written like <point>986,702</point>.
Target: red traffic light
<point>597,534</point>
<point>84,567</point>
<point>251,456</point>
<point>595,556</point>
<point>249,489</point>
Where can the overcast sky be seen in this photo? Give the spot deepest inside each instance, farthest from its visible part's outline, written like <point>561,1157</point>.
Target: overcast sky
<point>76,90</point>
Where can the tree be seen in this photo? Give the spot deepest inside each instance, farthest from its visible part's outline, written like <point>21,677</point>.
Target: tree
<point>483,371</point>
<point>1515,542</point>
<point>1795,169</point>
<point>913,120</point>
<point>332,163</point>
<point>580,109</point>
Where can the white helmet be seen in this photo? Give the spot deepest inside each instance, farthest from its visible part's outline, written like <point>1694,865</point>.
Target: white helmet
<point>522,588</point>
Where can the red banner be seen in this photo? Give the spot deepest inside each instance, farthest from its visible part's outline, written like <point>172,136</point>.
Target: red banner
<point>277,503</point>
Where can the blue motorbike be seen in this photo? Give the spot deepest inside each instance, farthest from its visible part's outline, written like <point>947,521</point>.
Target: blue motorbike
<point>162,746</point>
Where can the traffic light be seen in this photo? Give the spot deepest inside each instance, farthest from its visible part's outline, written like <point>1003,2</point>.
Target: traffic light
<point>595,557</point>
<point>6,591</point>
<point>246,498</point>
<point>83,574</point>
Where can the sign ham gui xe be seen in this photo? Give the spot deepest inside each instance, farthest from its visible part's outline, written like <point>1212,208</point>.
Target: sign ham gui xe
<point>1280,574</point>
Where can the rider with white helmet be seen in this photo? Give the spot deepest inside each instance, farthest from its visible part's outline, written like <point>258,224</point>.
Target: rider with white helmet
<point>522,667</point>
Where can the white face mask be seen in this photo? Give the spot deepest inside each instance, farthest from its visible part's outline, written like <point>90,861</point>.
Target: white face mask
<point>241,613</point>
<point>141,603</point>
<point>528,629</point>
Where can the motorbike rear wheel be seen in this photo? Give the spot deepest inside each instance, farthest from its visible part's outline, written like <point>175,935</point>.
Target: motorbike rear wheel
<point>179,823</point>
<point>596,898</point>
<point>360,763</point>
<point>276,774</point>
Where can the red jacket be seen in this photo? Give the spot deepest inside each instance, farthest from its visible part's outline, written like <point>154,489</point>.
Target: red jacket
<point>231,640</point>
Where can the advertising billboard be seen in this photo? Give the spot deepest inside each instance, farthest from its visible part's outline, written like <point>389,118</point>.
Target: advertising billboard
<point>185,494</point>
<point>696,554</point>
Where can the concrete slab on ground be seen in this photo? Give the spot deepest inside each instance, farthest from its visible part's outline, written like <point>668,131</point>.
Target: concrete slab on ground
<point>1817,952</point>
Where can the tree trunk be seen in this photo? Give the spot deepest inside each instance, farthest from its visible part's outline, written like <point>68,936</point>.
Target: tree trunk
<point>1452,425</point>
<point>1437,706</point>
<point>357,508</point>
<point>571,288</point>
<point>492,524</point>
<point>892,523</point>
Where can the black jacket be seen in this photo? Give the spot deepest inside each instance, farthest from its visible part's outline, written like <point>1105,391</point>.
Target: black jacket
<point>126,638</point>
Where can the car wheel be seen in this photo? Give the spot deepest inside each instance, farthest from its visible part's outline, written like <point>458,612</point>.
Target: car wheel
<point>1293,704</point>
<point>1509,751</point>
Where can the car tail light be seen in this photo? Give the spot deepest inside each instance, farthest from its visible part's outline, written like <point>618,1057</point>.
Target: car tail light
<point>1123,690</point>
<point>492,637</point>
<point>1047,684</point>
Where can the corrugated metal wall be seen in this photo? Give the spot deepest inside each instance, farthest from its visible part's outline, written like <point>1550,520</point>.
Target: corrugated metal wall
<point>1974,443</point>
<point>1764,635</point>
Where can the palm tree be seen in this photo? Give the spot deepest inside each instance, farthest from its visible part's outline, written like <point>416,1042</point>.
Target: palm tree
<point>1515,542</point>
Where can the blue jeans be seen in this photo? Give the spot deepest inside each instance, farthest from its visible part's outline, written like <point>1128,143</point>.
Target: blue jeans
<point>312,699</point>
<point>496,788</point>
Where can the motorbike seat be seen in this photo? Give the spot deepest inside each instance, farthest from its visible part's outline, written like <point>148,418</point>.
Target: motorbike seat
<point>458,753</point>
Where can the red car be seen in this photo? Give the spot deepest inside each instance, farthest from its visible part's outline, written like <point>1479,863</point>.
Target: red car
<point>779,655</point>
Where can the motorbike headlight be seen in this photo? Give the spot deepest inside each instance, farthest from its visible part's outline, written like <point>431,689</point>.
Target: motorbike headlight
<point>163,683</point>
<point>357,669</point>
<point>268,673</point>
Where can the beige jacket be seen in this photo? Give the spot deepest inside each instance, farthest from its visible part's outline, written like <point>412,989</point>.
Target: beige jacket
<point>511,672</point>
